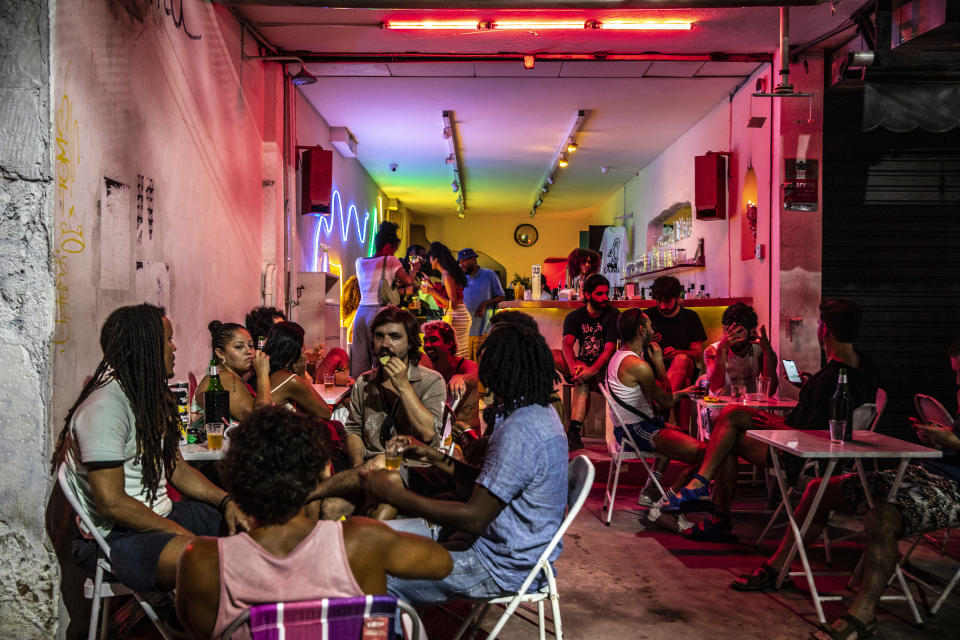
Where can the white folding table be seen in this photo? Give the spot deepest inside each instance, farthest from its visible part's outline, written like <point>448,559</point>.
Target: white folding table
<point>817,445</point>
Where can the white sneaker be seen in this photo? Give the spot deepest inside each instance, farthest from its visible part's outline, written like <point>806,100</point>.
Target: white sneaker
<point>649,495</point>
<point>677,523</point>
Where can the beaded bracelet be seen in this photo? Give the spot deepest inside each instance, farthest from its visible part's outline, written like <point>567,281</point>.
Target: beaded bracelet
<point>221,507</point>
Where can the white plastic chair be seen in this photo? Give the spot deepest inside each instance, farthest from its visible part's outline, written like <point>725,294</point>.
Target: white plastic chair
<point>100,589</point>
<point>627,451</point>
<point>579,481</point>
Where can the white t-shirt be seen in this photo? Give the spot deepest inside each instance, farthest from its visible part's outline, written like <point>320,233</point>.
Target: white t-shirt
<point>103,429</point>
<point>613,255</point>
<point>738,369</point>
<point>368,277</point>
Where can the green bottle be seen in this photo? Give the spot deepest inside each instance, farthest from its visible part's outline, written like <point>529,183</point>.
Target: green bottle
<point>216,400</point>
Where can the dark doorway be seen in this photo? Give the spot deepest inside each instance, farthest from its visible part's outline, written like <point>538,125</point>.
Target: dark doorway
<point>891,241</point>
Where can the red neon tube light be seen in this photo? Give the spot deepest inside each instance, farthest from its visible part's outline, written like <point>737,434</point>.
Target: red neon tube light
<point>535,25</point>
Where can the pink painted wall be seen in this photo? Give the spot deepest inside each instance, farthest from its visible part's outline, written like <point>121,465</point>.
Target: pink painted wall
<point>166,111</point>
<point>355,187</point>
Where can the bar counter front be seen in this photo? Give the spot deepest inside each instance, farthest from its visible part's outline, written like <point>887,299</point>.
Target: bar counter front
<point>549,314</point>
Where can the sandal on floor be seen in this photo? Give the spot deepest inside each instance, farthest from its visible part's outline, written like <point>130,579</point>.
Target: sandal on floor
<point>691,500</point>
<point>762,580</point>
<point>708,530</point>
<point>854,626</point>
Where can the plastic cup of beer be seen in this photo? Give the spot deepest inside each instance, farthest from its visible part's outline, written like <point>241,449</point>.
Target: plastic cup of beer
<point>328,381</point>
<point>837,429</point>
<point>763,387</point>
<point>214,435</point>
<point>393,457</point>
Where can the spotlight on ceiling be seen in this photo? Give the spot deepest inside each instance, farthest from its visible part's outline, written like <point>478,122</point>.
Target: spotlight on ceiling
<point>303,77</point>
<point>455,186</point>
<point>447,132</point>
<point>563,161</point>
<point>528,61</point>
<point>538,202</point>
<point>571,147</point>
<point>545,188</point>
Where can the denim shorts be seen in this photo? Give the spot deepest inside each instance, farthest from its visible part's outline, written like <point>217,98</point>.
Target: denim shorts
<point>134,555</point>
<point>642,433</point>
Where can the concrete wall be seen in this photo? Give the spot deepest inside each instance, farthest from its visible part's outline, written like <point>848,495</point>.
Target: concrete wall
<point>162,134</point>
<point>28,571</point>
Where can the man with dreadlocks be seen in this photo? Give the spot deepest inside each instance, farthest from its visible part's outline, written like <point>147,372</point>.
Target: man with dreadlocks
<point>119,446</point>
<point>517,499</point>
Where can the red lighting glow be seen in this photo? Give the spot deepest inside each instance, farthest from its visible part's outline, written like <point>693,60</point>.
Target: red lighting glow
<point>537,25</point>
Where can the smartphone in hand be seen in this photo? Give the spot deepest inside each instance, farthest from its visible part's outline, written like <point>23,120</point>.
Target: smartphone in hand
<point>790,368</point>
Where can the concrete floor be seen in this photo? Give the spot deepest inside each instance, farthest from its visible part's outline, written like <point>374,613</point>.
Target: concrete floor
<point>631,580</point>
<point>636,580</point>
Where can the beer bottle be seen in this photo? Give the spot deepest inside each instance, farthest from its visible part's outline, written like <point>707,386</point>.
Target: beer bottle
<point>261,341</point>
<point>841,405</point>
<point>216,400</point>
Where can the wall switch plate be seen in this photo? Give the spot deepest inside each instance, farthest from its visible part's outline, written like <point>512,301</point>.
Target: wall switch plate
<point>760,252</point>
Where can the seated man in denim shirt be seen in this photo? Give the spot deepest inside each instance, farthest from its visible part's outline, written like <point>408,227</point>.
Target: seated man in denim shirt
<point>519,495</point>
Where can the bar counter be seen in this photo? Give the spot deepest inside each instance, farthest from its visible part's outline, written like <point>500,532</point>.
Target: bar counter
<point>549,314</point>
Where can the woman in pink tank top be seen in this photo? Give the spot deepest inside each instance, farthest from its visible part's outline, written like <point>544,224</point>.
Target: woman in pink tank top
<point>276,459</point>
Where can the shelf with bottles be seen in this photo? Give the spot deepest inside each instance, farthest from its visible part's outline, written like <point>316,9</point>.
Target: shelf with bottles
<point>697,263</point>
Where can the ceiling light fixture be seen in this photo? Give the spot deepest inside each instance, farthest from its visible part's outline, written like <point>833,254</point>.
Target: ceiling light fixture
<point>300,78</point>
<point>560,160</point>
<point>453,159</point>
<point>538,25</point>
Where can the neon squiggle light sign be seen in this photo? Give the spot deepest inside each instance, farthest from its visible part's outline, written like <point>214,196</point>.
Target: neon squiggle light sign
<point>326,223</point>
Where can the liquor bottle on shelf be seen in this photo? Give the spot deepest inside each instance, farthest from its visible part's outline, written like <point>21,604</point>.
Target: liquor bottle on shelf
<point>216,399</point>
<point>702,294</point>
<point>841,405</point>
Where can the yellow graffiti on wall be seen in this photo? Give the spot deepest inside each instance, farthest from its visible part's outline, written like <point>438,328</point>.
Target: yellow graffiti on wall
<point>68,238</point>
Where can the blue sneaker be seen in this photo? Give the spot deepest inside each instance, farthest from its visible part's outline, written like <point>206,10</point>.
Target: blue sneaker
<point>691,500</point>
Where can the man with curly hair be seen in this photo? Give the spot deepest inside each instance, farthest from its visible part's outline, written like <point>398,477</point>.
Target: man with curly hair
<point>276,458</point>
<point>516,499</point>
<point>741,354</point>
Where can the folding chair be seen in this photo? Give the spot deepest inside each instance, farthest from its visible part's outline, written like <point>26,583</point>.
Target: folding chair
<point>627,451</point>
<point>449,417</point>
<point>931,411</point>
<point>101,588</point>
<point>330,618</point>
<point>950,583</point>
<point>579,481</point>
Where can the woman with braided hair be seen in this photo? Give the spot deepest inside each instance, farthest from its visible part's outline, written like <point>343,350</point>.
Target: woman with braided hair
<point>119,445</point>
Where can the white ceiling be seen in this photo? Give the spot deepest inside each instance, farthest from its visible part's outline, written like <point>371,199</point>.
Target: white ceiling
<point>511,121</point>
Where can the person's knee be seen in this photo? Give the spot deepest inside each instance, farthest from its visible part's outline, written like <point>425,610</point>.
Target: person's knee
<point>682,363</point>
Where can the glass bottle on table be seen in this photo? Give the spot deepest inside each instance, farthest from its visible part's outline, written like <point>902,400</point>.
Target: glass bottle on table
<point>216,400</point>
<point>841,410</point>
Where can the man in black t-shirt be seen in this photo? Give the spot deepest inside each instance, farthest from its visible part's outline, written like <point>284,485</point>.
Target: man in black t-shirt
<point>594,328</point>
<point>680,336</point>
<point>836,330</point>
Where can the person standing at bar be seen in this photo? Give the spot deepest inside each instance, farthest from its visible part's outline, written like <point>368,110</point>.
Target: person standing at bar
<point>581,264</point>
<point>594,327</point>
<point>680,335</point>
<point>370,271</point>
<point>482,295</point>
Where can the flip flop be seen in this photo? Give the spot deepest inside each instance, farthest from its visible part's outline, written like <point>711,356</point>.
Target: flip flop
<point>760,581</point>
<point>710,531</point>
<point>854,626</point>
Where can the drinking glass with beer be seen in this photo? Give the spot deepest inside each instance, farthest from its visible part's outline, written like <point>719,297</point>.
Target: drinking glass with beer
<point>214,436</point>
<point>393,456</point>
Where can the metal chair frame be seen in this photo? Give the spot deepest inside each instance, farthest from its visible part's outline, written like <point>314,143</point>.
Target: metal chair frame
<point>579,481</point>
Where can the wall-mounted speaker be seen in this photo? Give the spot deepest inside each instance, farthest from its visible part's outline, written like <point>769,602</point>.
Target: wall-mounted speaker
<point>710,186</point>
<point>316,178</point>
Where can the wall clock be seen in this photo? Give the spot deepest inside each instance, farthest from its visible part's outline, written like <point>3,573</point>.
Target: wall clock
<point>525,235</point>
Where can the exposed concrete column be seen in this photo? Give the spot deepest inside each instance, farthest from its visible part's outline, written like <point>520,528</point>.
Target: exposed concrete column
<point>28,571</point>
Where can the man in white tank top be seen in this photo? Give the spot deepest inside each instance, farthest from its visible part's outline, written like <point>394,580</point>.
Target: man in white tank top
<point>643,385</point>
